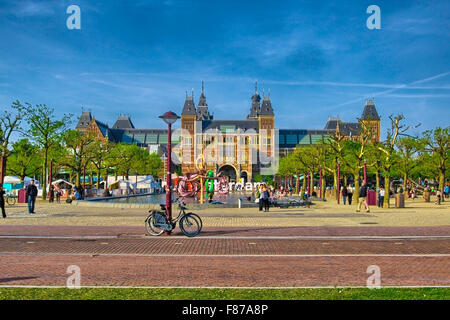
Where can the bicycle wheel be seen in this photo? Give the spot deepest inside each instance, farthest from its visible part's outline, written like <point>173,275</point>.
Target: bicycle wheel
<point>196,216</point>
<point>11,201</point>
<point>189,225</point>
<point>150,226</point>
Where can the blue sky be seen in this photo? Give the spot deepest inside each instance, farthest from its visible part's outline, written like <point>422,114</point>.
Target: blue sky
<point>318,58</point>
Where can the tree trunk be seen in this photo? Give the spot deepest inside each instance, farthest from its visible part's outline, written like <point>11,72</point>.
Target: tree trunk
<point>324,186</point>
<point>333,194</point>
<point>77,177</point>
<point>304,183</point>
<point>311,182</point>
<point>387,190</point>
<point>98,178</point>
<point>378,180</point>
<point>106,179</point>
<point>44,176</point>
<point>442,183</point>
<point>356,191</point>
<point>405,180</point>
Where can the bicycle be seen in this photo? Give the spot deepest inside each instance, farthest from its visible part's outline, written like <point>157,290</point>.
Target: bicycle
<point>10,199</point>
<point>190,223</point>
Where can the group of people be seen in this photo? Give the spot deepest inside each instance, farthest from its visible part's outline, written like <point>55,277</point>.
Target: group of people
<point>54,192</point>
<point>31,193</point>
<point>264,194</point>
<point>347,194</point>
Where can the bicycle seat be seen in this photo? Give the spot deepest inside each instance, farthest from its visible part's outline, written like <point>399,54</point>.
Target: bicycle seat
<point>163,207</point>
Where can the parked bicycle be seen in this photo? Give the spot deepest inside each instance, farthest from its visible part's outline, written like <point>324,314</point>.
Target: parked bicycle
<point>10,199</point>
<point>157,223</point>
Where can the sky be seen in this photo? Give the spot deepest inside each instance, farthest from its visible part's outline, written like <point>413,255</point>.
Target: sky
<point>317,58</point>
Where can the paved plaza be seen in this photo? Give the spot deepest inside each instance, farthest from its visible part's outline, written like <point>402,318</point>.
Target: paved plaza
<point>325,245</point>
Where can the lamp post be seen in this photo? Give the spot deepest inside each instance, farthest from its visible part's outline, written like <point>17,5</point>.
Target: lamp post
<point>320,182</point>
<point>84,182</point>
<point>2,168</point>
<point>338,187</point>
<point>307,184</point>
<point>169,118</point>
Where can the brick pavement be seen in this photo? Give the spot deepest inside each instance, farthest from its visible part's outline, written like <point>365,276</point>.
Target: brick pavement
<point>224,262</point>
<point>45,230</point>
<point>28,261</point>
<point>228,272</point>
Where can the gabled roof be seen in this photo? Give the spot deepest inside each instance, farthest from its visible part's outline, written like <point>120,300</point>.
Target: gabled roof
<point>370,112</point>
<point>256,104</point>
<point>189,107</point>
<point>85,120</point>
<point>345,128</point>
<point>230,124</point>
<point>123,122</point>
<point>202,100</point>
<point>202,108</point>
<point>266,108</point>
<point>105,130</point>
<point>332,123</point>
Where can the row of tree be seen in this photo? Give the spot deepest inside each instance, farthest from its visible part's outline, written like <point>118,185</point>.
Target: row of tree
<point>400,155</point>
<point>42,138</point>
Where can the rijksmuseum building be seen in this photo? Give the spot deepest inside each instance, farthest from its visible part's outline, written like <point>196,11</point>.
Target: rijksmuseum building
<point>237,148</point>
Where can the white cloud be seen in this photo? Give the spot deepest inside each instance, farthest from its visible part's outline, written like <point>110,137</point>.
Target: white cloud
<point>33,8</point>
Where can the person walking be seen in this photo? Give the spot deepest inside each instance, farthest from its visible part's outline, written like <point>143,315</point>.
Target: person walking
<point>438,197</point>
<point>381,197</point>
<point>58,195</point>
<point>344,194</point>
<point>447,190</point>
<point>51,194</point>
<point>260,197</point>
<point>2,201</point>
<point>363,198</point>
<point>265,199</point>
<point>31,194</point>
<point>349,194</point>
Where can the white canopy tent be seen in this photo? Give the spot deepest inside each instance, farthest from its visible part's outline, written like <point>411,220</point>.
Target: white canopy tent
<point>122,184</point>
<point>63,184</point>
<point>12,180</point>
<point>27,181</point>
<point>148,182</point>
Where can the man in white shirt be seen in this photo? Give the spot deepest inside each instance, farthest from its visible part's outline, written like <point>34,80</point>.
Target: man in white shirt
<point>381,197</point>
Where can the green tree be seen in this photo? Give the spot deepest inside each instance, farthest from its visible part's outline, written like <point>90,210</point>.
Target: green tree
<point>127,158</point>
<point>79,147</point>
<point>437,142</point>
<point>10,122</point>
<point>408,156</point>
<point>390,156</point>
<point>100,156</point>
<point>46,131</point>
<point>24,159</point>
<point>154,165</point>
<point>356,154</point>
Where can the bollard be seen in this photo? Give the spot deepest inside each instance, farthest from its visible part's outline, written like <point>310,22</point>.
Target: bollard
<point>239,203</point>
